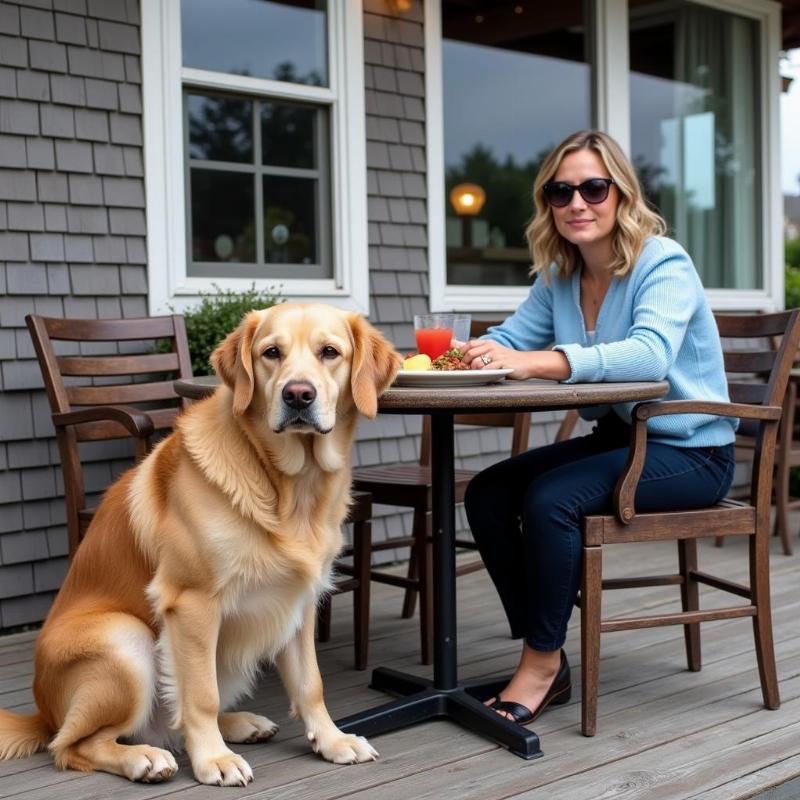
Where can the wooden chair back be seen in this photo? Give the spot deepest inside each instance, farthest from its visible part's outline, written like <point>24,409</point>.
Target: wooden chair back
<point>105,380</point>
<point>760,377</point>
<point>787,454</point>
<point>519,422</point>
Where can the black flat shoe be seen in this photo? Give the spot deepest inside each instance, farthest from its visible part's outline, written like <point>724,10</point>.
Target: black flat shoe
<point>559,692</point>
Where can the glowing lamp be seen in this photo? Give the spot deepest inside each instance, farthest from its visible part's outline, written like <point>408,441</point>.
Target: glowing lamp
<point>467,199</point>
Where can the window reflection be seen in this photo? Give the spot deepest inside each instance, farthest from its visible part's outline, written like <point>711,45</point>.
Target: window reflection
<point>223,216</point>
<point>290,220</point>
<point>288,135</point>
<point>694,132</point>
<point>283,40</point>
<point>220,128</point>
<point>516,81</point>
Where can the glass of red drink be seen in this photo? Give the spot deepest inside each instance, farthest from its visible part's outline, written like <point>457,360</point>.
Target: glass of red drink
<point>435,332</point>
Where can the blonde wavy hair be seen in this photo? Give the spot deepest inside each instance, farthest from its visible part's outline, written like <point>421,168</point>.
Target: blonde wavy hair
<point>635,220</point>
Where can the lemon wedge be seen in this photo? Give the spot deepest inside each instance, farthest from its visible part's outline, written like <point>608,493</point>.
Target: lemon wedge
<point>418,362</point>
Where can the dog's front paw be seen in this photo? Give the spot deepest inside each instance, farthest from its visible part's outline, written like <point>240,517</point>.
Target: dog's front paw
<point>148,764</point>
<point>226,769</point>
<point>342,748</point>
<point>244,727</point>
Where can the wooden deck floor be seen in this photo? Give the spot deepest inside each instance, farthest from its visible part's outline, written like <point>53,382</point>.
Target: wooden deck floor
<point>663,732</point>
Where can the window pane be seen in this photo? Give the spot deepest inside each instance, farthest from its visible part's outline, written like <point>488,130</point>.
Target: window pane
<point>220,128</point>
<point>287,135</point>
<point>290,220</point>
<point>284,232</point>
<point>285,41</point>
<point>516,81</point>
<point>694,132</point>
<point>223,216</point>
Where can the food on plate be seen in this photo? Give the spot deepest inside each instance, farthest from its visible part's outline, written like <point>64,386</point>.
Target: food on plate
<point>450,360</point>
<point>417,362</point>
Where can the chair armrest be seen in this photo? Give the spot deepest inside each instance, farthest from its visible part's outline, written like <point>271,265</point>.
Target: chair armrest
<point>644,411</point>
<point>137,422</point>
<point>625,491</point>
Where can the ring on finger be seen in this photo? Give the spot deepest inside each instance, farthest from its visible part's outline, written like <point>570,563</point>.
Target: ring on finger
<point>486,358</point>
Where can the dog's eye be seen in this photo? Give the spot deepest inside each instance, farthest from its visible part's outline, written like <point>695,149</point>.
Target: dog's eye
<point>330,352</point>
<point>272,352</point>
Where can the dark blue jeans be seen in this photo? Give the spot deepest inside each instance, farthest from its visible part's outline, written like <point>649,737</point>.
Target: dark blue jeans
<point>526,512</point>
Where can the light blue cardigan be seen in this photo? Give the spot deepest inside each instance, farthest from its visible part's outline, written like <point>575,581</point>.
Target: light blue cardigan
<point>654,324</point>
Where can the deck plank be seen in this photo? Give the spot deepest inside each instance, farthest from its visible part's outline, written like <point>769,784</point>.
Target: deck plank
<point>757,781</point>
<point>663,732</point>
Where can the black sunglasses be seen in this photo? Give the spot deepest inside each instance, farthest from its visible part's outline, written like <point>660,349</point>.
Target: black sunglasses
<point>593,191</point>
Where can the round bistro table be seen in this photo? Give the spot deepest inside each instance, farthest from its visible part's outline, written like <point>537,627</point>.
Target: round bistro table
<point>422,699</point>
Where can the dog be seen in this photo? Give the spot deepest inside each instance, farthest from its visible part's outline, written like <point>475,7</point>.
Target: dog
<point>207,559</point>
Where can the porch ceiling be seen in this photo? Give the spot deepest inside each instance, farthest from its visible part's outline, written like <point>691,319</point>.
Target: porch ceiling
<point>791,24</point>
<point>460,13</point>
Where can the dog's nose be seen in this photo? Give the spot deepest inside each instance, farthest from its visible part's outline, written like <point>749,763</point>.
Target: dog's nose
<point>299,394</point>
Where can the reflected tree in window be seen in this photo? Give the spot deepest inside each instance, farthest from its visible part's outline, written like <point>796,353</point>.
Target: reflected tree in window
<point>287,71</point>
<point>508,187</point>
<point>220,128</point>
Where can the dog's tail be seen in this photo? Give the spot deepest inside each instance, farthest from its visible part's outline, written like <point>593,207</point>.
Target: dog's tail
<point>22,735</point>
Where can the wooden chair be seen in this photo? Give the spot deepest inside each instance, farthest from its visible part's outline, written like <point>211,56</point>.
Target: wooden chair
<point>787,455</point>
<point>91,396</point>
<point>755,404</point>
<point>409,485</point>
<point>354,578</point>
<point>567,426</point>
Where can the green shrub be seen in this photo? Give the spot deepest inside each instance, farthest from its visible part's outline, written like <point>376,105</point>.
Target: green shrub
<point>216,316</point>
<point>792,286</point>
<point>792,251</point>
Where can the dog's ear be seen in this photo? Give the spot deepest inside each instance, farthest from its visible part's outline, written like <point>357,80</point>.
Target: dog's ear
<point>375,364</point>
<point>233,361</point>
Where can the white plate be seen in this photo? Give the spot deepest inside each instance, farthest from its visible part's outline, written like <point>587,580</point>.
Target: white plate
<point>452,377</point>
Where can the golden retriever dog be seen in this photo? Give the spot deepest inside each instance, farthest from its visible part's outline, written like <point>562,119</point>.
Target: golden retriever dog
<point>207,559</point>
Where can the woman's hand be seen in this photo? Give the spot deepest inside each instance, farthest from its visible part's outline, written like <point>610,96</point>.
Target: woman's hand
<point>486,354</point>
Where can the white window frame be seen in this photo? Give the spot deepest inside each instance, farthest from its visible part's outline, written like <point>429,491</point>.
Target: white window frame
<point>610,92</point>
<point>163,79</point>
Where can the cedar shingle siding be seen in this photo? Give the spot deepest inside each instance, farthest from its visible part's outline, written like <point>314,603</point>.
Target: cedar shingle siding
<point>398,261</point>
<point>72,243</point>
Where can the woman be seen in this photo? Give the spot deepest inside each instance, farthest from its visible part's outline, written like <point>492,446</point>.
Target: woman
<point>622,303</point>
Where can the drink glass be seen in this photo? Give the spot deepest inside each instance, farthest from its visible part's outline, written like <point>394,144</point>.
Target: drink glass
<point>434,332</point>
<point>461,325</point>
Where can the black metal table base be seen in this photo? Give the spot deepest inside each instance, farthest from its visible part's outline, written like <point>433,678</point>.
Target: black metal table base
<point>443,697</point>
<point>421,701</point>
